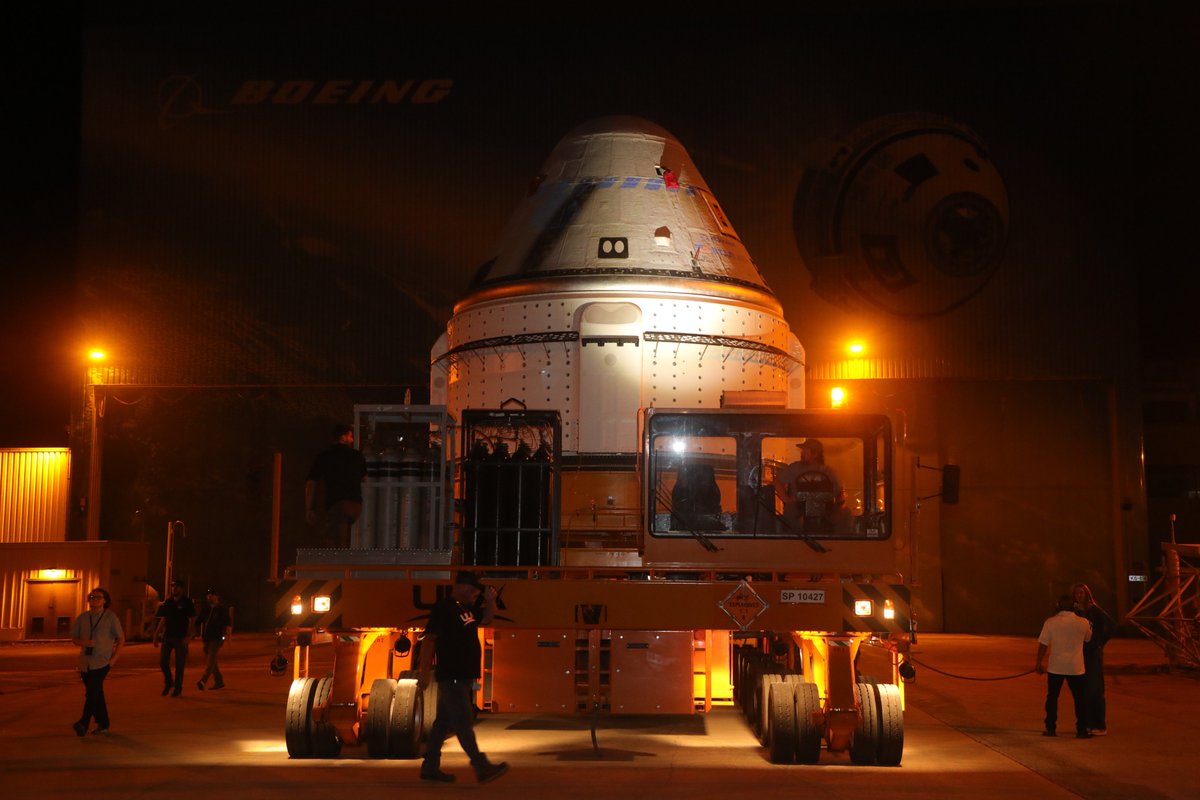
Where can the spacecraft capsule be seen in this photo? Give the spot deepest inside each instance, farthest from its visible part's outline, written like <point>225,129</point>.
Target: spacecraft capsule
<point>619,283</point>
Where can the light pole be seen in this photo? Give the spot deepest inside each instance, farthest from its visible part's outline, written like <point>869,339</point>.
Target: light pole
<point>95,398</point>
<point>167,573</point>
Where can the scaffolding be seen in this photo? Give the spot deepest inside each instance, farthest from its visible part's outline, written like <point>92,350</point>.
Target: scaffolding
<point>1170,611</point>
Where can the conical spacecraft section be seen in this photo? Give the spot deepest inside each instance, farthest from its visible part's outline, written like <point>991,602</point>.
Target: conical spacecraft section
<point>618,284</point>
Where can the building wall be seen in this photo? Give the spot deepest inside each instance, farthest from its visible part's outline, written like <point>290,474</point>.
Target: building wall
<point>64,572</point>
<point>1045,497</point>
<point>34,494</point>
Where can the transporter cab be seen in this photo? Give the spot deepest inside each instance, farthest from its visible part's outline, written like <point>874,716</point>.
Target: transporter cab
<point>756,569</point>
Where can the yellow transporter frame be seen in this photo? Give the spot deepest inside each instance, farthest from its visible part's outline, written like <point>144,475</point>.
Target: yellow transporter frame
<point>593,640</point>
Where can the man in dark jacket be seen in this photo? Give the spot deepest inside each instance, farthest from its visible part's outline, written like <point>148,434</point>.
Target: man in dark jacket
<point>453,635</point>
<point>1103,628</point>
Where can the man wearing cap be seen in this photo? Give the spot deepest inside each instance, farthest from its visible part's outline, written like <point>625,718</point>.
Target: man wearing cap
<point>211,626</point>
<point>812,495</point>
<point>453,636</point>
<point>174,619</point>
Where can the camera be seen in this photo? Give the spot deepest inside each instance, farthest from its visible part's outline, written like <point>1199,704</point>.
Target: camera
<point>87,651</point>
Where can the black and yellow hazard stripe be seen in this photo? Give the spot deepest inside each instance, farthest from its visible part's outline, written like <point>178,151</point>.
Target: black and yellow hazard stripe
<point>308,588</point>
<point>877,593</point>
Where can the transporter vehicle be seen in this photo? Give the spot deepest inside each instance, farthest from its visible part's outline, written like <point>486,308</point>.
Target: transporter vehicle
<point>616,440</point>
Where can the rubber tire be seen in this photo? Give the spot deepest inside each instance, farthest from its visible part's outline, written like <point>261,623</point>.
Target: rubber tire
<point>404,730</point>
<point>297,728</point>
<point>325,740</point>
<point>763,717</point>
<point>379,717</point>
<point>781,724</point>
<point>808,734</point>
<point>865,746</point>
<point>754,672</point>
<point>891,725</point>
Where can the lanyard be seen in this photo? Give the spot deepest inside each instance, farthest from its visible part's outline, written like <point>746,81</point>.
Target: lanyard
<point>94,623</point>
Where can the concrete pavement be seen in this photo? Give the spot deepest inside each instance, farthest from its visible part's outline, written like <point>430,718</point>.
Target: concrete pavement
<point>972,732</point>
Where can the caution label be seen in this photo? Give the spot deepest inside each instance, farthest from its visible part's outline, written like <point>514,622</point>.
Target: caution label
<point>743,605</point>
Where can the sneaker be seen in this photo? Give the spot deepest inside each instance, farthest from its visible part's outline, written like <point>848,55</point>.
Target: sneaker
<point>1083,735</point>
<point>200,685</point>
<point>216,686</point>
<point>167,690</point>
<point>489,772</point>
<point>100,730</point>
<point>436,775</point>
<point>1049,733</point>
<point>176,693</point>
<point>80,728</point>
<point>1098,731</point>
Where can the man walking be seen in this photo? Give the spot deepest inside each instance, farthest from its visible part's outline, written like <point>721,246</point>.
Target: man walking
<point>453,633</point>
<point>1063,635</point>
<point>174,619</point>
<point>211,626</point>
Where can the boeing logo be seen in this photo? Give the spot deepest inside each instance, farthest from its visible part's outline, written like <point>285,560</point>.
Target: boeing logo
<point>181,97</point>
<point>290,93</point>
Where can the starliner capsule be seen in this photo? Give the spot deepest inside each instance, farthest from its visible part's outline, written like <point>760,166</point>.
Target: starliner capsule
<point>619,284</point>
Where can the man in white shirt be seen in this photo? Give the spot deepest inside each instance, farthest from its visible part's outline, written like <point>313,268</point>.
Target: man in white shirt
<point>1063,635</point>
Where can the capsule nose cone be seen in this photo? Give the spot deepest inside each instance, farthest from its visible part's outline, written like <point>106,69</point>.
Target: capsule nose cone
<point>620,196</point>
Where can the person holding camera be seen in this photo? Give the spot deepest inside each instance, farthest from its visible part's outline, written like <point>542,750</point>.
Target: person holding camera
<point>453,635</point>
<point>99,636</point>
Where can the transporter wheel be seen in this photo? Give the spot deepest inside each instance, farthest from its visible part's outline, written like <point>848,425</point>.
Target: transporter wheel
<point>763,718</point>
<point>379,717</point>
<point>864,748</point>
<point>404,730</point>
<point>781,723</point>
<point>808,733</point>
<point>296,730</point>
<point>752,679</point>
<point>891,725</point>
<point>325,740</point>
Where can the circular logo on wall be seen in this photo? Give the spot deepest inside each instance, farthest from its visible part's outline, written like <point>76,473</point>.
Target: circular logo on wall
<point>906,214</point>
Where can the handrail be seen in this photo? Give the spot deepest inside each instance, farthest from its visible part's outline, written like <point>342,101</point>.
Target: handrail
<point>670,572</point>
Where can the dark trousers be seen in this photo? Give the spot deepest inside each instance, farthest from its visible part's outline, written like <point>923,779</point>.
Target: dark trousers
<point>1078,686</point>
<point>93,697</point>
<point>179,646</point>
<point>454,713</point>
<point>1094,673</point>
<point>211,648</point>
<point>339,519</point>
